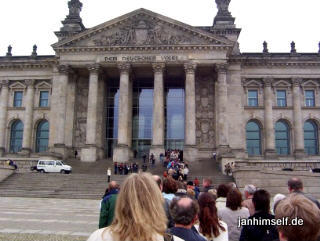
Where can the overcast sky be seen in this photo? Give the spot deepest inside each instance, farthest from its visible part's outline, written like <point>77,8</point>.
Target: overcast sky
<point>27,22</point>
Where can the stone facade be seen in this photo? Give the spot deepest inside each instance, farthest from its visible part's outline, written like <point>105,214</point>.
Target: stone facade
<point>216,76</point>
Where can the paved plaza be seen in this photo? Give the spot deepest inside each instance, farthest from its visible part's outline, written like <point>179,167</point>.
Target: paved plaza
<point>47,219</point>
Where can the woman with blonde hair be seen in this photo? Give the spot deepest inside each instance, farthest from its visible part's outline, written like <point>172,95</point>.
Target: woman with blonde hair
<point>139,212</point>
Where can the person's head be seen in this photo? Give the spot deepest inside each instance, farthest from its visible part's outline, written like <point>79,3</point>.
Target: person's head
<point>249,191</point>
<point>209,223</point>
<point>191,193</point>
<point>295,184</point>
<point>298,206</point>
<point>234,199</point>
<point>223,190</point>
<point>139,212</point>
<point>113,185</point>
<point>213,192</point>
<point>184,211</point>
<point>206,182</point>
<point>276,200</point>
<point>261,201</point>
<point>158,181</point>
<point>170,185</point>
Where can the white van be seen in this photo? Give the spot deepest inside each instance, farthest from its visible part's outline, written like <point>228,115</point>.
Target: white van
<point>53,166</point>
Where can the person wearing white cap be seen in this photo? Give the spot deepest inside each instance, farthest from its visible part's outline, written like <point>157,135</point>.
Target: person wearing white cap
<point>248,194</point>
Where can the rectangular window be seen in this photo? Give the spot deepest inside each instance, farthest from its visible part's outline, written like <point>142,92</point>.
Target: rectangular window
<point>17,99</point>
<point>309,97</point>
<point>281,98</point>
<point>252,97</point>
<point>44,99</point>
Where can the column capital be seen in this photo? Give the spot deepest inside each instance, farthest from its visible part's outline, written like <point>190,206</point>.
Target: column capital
<point>4,83</point>
<point>29,82</point>
<point>94,68</point>
<point>158,67</point>
<point>64,69</point>
<point>296,82</point>
<point>124,67</point>
<point>222,68</point>
<point>267,82</point>
<point>190,68</point>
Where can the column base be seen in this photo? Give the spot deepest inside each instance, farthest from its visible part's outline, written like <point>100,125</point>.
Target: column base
<point>299,153</point>
<point>61,149</point>
<point>2,151</point>
<point>190,153</point>
<point>270,154</point>
<point>157,150</point>
<point>121,153</point>
<point>25,152</point>
<point>89,153</point>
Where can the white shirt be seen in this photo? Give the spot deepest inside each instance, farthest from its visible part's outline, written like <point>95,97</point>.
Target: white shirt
<point>223,236</point>
<point>109,172</point>
<point>107,236</point>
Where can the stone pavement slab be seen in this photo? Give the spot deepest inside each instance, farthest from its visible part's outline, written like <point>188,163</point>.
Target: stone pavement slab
<point>47,219</point>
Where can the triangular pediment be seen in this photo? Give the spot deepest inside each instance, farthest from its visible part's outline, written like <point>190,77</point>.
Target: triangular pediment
<point>17,85</point>
<point>43,85</point>
<point>282,84</point>
<point>310,83</point>
<point>143,28</point>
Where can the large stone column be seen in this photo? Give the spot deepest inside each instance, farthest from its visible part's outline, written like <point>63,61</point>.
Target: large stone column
<point>90,152</point>
<point>268,120</point>
<point>121,152</point>
<point>297,120</point>
<point>58,111</point>
<point>222,127</point>
<point>190,149</point>
<point>3,114</point>
<point>158,111</point>
<point>28,119</point>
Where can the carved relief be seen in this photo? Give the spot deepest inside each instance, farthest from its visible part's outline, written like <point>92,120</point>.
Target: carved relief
<point>205,112</point>
<point>142,32</point>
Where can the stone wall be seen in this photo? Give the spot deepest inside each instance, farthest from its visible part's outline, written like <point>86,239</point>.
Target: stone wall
<point>82,90</point>
<point>205,118</point>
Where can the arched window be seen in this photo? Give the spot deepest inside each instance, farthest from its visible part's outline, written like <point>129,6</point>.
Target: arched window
<point>42,138</point>
<point>311,138</point>
<point>16,136</point>
<point>282,138</point>
<point>253,133</point>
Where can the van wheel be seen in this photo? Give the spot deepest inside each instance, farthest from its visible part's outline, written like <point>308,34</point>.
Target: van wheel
<point>42,171</point>
<point>63,171</point>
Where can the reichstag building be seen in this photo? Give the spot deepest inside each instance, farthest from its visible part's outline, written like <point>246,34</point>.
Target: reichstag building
<point>144,82</point>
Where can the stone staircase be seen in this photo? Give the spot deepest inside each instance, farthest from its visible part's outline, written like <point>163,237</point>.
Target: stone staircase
<point>89,180</point>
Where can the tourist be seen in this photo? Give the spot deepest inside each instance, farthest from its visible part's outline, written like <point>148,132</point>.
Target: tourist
<point>166,202</point>
<point>295,185</point>
<point>120,168</point>
<point>184,212</point>
<point>206,185</point>
<point>196,182</point>
<point>248,194</point>
<point>185,172</point>
<point>276,200</point>
<point>266,232</point>
<point>298,206</point>
<point>75,154</point>
<point>13,164</point>
<point>144,157</point>
<point>125,169</point>
<point>170,187</point>
<point>210,226</point>
<point>222,193</point>
<point>232,213</point>
<point>108,204</point>
<point>161,158</point>
<point>115,168</point>
<point>139,214</point>
<point>109,174</point>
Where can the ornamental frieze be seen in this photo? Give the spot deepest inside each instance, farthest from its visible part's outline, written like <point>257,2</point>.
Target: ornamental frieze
<point>143,32</point>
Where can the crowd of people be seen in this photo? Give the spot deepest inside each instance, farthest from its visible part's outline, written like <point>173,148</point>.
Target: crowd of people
<point>151,208</point>
<point>175,165</point>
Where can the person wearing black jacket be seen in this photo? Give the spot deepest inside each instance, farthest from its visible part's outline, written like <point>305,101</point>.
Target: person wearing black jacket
<point>259,226</point>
